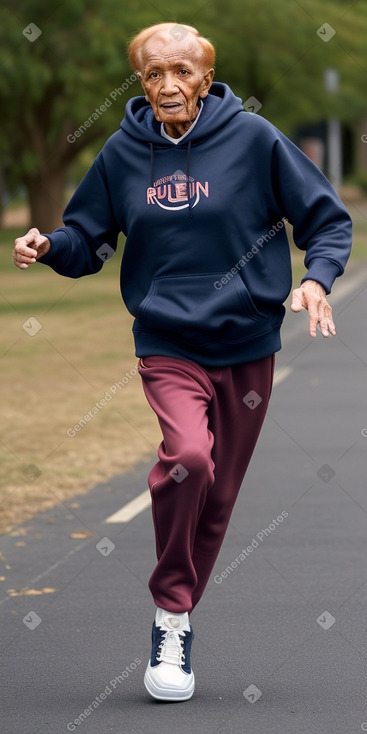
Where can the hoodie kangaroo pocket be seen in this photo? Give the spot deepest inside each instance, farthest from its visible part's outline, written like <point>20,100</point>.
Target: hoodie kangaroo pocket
<point>200,309</point>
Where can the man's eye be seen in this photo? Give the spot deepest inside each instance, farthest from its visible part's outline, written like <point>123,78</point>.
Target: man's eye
<point>184,72</point>
<point>153,75</point>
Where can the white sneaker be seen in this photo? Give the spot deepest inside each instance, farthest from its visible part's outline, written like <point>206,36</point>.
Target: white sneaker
<point>168,676</point>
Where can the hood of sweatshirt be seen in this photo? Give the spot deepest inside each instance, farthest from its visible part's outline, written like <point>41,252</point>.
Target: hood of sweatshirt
<point>220,106</point>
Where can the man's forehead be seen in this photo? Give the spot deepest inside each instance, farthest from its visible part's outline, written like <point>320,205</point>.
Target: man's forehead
<point>164,47</point>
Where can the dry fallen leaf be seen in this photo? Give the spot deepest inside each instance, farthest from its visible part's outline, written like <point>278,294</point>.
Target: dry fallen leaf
<point>31,592</point>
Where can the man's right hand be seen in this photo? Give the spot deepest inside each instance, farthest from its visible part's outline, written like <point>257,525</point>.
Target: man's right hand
<point>30,248</point>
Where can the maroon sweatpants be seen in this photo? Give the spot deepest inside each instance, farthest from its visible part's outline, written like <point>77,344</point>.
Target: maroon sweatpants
<point>210,420</point>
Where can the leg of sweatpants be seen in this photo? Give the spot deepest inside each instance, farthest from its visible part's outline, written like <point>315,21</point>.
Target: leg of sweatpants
<point>179,392</point>
<point>235,425</point>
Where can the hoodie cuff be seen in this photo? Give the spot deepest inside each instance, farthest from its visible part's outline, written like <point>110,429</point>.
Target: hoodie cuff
<point>59,248</point>
<point>323,271</point>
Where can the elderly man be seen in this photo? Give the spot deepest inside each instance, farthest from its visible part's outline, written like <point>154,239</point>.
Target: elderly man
<point>201,189</point>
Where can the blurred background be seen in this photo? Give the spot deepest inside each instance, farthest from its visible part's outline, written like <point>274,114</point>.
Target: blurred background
<point>64,83</point>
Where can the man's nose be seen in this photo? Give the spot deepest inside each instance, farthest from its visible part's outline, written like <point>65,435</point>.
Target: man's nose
<point>169,84</point>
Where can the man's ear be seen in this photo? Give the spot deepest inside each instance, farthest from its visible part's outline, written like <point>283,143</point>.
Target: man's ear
<point>206,83</point>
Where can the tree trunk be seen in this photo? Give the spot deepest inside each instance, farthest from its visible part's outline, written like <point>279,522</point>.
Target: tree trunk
<point>2,192</point>
<point>46,199</point>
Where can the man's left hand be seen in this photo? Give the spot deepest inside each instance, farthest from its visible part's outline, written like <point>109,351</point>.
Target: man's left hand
<point>311,295</point>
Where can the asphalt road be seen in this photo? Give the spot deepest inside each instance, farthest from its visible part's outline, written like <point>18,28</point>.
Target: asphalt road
<point>280,636</point>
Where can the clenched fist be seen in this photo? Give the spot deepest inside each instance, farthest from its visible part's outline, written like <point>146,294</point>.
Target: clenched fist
<point>30,248</point>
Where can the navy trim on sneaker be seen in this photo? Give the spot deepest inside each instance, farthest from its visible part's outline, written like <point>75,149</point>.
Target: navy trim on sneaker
<point>158,636</point>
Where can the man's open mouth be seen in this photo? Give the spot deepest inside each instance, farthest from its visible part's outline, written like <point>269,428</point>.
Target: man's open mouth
<point>171,105</point>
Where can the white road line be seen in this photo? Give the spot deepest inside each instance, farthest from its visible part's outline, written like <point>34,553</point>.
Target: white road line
<point>143,500</point>
<point>132,509</point>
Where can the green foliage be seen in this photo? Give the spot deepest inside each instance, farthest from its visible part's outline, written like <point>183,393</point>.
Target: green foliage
<point>48,88</point>
<point>361,180</point>
<point>270,49</point>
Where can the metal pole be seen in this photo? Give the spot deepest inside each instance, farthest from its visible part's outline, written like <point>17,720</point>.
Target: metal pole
<point>334,152</point>
<point>334,136</point>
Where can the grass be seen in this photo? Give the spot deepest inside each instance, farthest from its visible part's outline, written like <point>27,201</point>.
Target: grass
<point>54,378</point>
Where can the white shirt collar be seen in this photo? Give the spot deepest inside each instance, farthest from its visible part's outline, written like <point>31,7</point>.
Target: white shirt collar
<point>178,140</point>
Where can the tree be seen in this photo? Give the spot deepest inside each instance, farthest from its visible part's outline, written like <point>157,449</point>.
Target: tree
<point>270,49</point>
<point>51,84</point>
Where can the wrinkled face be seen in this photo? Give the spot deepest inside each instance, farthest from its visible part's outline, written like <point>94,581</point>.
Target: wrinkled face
<point>174,76</point>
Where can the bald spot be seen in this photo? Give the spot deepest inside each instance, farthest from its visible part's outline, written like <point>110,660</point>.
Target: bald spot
<point>162,47</point>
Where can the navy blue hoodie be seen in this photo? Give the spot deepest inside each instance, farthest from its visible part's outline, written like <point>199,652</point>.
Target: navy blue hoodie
<point>206,265</point>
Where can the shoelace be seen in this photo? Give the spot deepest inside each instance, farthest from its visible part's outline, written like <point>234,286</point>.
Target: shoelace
<point>170,649</point>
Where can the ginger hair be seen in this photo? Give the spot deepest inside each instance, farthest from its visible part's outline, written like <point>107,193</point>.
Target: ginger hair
<point>137,42</point>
